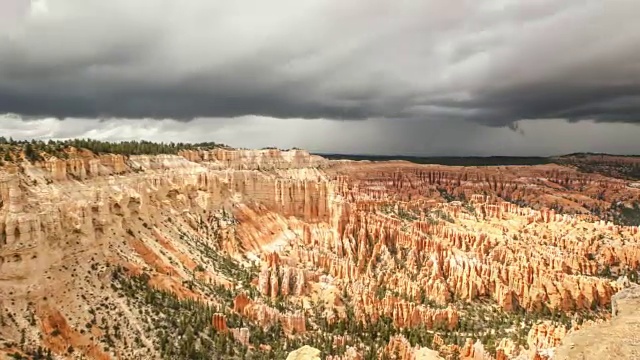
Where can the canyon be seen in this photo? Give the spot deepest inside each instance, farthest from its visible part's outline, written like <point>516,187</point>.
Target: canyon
<point>225,253</point>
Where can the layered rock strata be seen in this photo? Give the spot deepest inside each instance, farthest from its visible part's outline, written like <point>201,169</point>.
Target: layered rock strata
<point>399,242</point>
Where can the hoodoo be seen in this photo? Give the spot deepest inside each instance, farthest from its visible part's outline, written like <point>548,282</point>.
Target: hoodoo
<point>283,254</point>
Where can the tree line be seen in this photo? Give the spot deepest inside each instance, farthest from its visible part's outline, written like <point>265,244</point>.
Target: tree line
<point>33,150</point>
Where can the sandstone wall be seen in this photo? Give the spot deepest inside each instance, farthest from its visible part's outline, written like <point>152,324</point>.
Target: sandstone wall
<point>42,204</point>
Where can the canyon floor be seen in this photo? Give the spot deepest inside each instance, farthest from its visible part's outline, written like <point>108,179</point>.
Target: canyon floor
<point>268,254</point>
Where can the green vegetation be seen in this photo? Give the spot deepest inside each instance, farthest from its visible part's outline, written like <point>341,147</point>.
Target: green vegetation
<point>489,323</point>
<point>592,163</point>
<point>586,162</point>
<point>618,166</point>
<point>183,328</point>
<point>222,263</point>
<point>442,215</point>
<point>374,335</point>
<point>449,197</point>
<point>38,353</point>
<point>432,215</point>
<point>624,215</point>
<point>34,149</point>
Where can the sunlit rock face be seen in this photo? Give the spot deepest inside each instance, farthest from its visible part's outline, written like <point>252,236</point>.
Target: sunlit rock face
<point>288,240</point>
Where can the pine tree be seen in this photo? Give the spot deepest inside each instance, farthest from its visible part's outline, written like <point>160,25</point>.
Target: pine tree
<point>30,152</point>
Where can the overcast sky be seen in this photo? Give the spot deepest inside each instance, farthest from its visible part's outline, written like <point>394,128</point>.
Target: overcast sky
<point>437,77</point>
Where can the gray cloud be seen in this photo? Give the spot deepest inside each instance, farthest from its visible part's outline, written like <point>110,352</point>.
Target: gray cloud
<point>379,136</point>
<point>492,62</point>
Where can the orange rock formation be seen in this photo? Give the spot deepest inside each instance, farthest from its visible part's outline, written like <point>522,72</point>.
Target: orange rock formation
<point>386,239</point>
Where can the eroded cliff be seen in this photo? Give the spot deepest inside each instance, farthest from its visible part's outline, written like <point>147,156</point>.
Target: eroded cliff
<point>261,252</point>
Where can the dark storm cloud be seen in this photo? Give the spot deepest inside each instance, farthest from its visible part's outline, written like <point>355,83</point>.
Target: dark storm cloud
<point>379,136</point>
<point>493,62</point>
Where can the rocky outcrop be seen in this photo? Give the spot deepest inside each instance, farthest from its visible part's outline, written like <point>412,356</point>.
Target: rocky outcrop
<point>293,323</point>
<point>53,210</point>
<point>399,348</point>
<point>538,186</point>
<point>267,159</point>
<point>241,335</point>
<point>403,313</point>
<point>304,353</point>
<point>59,335</point>
<point>507,349</point>
<point>545,337</point>
<point>219,322</point>
<point>351,353</point>
<point>617,339</point>
<point>413,246</point>
<point>240,302</point>
<point>276,279</point>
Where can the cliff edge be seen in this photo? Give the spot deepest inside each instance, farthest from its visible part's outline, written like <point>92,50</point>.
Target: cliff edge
<point>616,339</point>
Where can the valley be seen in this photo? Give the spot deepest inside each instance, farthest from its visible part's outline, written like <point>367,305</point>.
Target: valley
<point>212,252</point>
